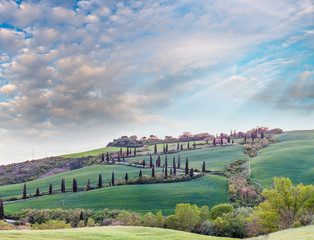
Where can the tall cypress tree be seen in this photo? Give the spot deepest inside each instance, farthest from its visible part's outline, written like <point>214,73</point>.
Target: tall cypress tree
<point>118,157</point>
<point>191,172</point>
<point>166,160</point>
<point>74,185</point>
<point>123,160</point>
<point>166,147</point>
<point>107,157</point>
<point>188,147</point>
<point>203,167</point>
<point>262,135</point>
<point>181,147</point>
<point>163,148</point>
<point>126,177</point>
<point>166,170</point>
<point>37,192</point>
<point>120,151</point>
<point>178,146</point>
<point>171,172</point>
<point>186,166</point>
<point>194,146</point>
<point>153,171</point>
<point>102,157</point>
<point>150,161</point>
<point>228,139</point>
<point>112,158</point>
<point>50,188</point>
<point>112,179</point>
<point>88,185</point>
<point>127,152</point>
<point>179,162</point>
<point>100,180</point>
<point>24,191</point>
<point>214,142</point>
<point>135,152</point>
<point>63,185</point>
<point>1,210</point>
<point>155,149</point>
<point>221,141</point>
<point>81,216</point>
<point>144,163</point>
<point>159,162</point>
<point>140,174</point>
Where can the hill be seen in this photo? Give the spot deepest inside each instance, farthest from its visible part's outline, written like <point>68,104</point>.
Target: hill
<point>112,233</point>
<point>208,190</point>
<point>292,157</point>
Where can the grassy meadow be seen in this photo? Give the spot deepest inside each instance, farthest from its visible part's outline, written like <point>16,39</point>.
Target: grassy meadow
<point>112,233</point>
<point>208,190</point>
<point>292,157</point>
<point>81,175</point>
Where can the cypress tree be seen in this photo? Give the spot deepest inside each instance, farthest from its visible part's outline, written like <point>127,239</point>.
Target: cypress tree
<point>1,210</point>
<point>179,163</point>
<point>100,180</point>
<point>214,142</point>
<point>262,135</point>
<point>127,152</point>
<point>188,147</point>
<point>174,162</point>
<point>107,157</point>
<point>155,150</point>
<point>144,163</point>
<point>81,216</point>
<point>50,188</point>
<point>163,148</point>
<point>123,160</point>
<point>166,170</point>
<point>166,161</point>
<point>186,166</point>
<point>102,157</point>
<point>118,157</point>
<point>88,185</point>
<point>121,151</point>
<point>37,192</point>
<point>74,185</point>
<point>112,158</point>
<point>178,146</point>
<point>24,191</point>
<point>112,179</point>
<point>140,174</point>
<point>228,139</point>
<point>194,145</point>
<point>181,147</point>
<point>153,171</point>
<point>158,161</point>
<point>167,147</point>
<point>232,141</point>
<point>174,169</point>
<point>135,152</point>
<point>130,151</point>
<point>221,141</point>
<point>191,172</point>
<point>63,185</point>
<point>245,138</point>
<point>170,171</point>
<point>203,167</point>
<point>126,177</point>
<point>163,168</point>
<point>150,161</point>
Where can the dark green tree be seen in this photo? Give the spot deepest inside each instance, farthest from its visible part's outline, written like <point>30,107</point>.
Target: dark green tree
<point>166,170</point>
<point>102,157</point>
<point>119,160</point>
<point>232,141</point>
<point>188,147</point>
<point>144,163</point>
<point>63,185</point>
<point>153,171</point>
<point>179,163</point>
<point>221,141</point>
<point>262,135</point>
<point>107,157</point>
<point>50,188</point>
<point>155,149</point>
<point>74,185</point>
<point>150,161</point>
<point>81,216</point>
<point>126,177</point>
<point>171,172</point>
<point>163,149</point>
<point>186,166</point>
<point>37,192</point>
<point>203,166</point>
<point>194,145</point>
<point>140,174</point>
<point>135,152</point>
<point>120,151</point>
<point>112,179</point>
<point>100,180</point>
<point>166,147</point>
<point>24,191</point>
<point>174,168</point>
<point>245,138</point>
<point>127,152</point>
<point>181,147</point>
<point>228,139</point>
<point>214,142</point>
<point>191,172</point>
<point>1,210</point>
<point>123,160</point>
<point>166,160</point>
<point>178,146</point>
<point>112,158</point>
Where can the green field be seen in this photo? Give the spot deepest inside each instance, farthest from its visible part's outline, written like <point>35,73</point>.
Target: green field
<point>93,152</point>
<point>292,157</point>
<point>112,233</point>
<point>81,175</point>
<point>207,190</point>
<point>302,233</point>
<point>216,158</point>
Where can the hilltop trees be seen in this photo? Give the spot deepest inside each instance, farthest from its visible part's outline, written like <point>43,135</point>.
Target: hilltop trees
<point>24,191</point>
<point>155,149</point>
<point>153,171</point>
<point>63,185</point>
<point>1,210</point>
<point>107,157</point>
<point>150,161</point>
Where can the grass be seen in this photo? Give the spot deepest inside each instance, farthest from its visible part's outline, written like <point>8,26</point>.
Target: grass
<point>93,152</point>
<point>112,233</point>
<point>208,190</point>
<point>81,175</point>
<point>215,158</point>
<point>292,157</point>
<point>303,233</point>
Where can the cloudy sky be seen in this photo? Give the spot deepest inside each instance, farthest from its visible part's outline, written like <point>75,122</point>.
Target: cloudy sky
<point>75,74</point>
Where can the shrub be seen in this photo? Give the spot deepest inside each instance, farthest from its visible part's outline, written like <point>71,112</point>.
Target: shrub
<point>149,220</point>
<point>90,222</point>
<point>125,218</point>
<point>207,228</point>
<point>6,226</point>
<point>51,224</point>
<point>219,210</point>
<point>81,224</point>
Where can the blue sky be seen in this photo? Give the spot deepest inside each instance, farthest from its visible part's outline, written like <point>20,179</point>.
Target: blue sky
<point>76,74</point>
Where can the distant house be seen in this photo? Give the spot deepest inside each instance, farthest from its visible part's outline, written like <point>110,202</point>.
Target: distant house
<point>218,141</point>
<point>168,137</point>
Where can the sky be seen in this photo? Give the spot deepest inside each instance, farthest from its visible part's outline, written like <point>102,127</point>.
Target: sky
<point>76,74</point>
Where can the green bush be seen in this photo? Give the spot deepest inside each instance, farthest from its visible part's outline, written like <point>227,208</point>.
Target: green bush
<point>219,210</point>
<point>207,228</point>
<point>51,224</point>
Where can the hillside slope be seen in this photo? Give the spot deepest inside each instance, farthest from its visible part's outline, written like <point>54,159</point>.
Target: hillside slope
<point>292,157</point>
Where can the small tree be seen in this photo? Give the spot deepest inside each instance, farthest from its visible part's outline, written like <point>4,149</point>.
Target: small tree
<point>194,146</point>
<point>203,167</point>
<point>163,149</point>
<point>178,146</point>
<point>74,185</point>
<point>63,185</point>
<point>166,160</point>
<point>37,192</point>
<point>102,157</point>
<point>188,147</point>
<point>221,141</point>
<point>171,173</point>
<point>119,160</point>
<point>153,171</point>
<point>107,157</point>
<point>88,185</point>
<point>262,135</point>
<point>126,177</point>
<point>135,152</point>
<point>50,188</point>
<point>214,142</point>
<point>100,180</point>
<point>1,210</point>
<point>166,170</point>
<point>186,166</point>
<point>140,174</point>
<point>24,191</point>
<point>174,166</point>
<point>112,159</point>
<point>191,172</point>
<point>166,147</point>
<point>144,163</point>
<point>228,139</point>
<point>112,179</point>
<point>123,159</point>
<point>179,163</point>
<point>150,161</point>
<point>81,216</point>
<point>127,152</point>
<point>181,147</point>
<point>120,151</point>
<point>155,149</point>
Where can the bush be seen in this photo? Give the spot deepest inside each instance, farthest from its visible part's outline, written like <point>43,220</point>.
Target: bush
<point>125,218</point>
<point>131,180</point>
<point>6,226</point>
<point>219,210</point>
<point>207,228</point>
<point>149,220</point>
<point>90,222</point>
<point>81,224</point>
<point>51,224</point>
